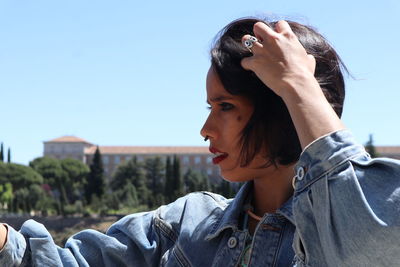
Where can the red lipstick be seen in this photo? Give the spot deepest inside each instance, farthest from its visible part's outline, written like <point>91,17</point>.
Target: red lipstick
<point>219,156</point>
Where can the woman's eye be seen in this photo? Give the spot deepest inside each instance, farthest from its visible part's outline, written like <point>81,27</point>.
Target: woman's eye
<point>226,106</point>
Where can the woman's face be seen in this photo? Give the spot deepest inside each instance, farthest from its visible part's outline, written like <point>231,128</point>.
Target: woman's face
<point>228,116</point>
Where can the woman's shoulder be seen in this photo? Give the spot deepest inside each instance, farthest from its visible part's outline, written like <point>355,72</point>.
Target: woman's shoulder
<point>195,206</point>
<point>193,213</point>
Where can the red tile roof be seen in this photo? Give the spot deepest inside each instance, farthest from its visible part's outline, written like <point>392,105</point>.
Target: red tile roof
<point>67,139</point>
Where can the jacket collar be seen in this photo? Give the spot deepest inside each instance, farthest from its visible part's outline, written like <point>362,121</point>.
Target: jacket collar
<point>286,210</point>
<point>229,218</point>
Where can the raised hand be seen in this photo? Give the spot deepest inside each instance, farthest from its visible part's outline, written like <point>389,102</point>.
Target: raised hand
<point>281,62</point>
<point>279,59</point>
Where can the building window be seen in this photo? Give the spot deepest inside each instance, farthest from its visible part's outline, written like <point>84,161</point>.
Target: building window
<point>209,171</point>
<point>67,148</point>
<point>209,160</point>
<point>117,159</point>
<point>105,160</point>
<point>185,160</point>
<point>128,158</point>
<point>139,158</point>
<point>197,160</point>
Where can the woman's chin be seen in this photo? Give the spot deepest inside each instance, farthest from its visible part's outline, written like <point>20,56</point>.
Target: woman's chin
<point>232,176</point>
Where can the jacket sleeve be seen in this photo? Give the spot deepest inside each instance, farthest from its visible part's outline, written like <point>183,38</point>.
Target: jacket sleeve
<point>346,205</point>
<point>139,239</point>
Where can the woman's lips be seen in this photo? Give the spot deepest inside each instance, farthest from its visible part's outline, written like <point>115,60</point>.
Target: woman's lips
<point>219,156</point>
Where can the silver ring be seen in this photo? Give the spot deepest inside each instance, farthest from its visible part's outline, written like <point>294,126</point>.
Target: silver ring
<point>249,43</point>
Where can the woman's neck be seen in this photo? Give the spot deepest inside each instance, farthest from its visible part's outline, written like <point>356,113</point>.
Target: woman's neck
<point>272,190</point>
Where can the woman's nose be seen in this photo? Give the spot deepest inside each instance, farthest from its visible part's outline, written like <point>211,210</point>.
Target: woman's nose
<point>208,131</point>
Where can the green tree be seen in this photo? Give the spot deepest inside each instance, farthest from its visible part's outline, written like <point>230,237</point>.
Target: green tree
<point>53,175</point>
<point>131,172</point>
<point>125,172</point>
<point>96,180</point>
<point>1,153</point>
<point>227,189</point>
<point>169,193</point>
<point>75,176</point>
<point>6,195</point>
<point>19,176</point>
<point>36,194</point>
<point>21,200</point>
<point>155,177</point>
<point>179,187</point>
<point>204,183</point>
<point>195,181</point>
<point>113,200</point>
<point>191,180</point>
<point>25,183</point>
<point>46,203</point>
<point>9,155</point>
<point>370,148</point>
<point>129,194</point>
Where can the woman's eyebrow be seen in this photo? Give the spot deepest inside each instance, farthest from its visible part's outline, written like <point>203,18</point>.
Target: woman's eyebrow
<point>219,99</point>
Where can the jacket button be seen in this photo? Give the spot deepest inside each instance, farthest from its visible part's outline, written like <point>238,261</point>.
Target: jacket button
<point>300,173</point>
<point>232,242</point>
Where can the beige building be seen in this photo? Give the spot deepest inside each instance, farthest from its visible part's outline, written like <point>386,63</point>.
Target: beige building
<point>388,151</point>
<point>195,158</point>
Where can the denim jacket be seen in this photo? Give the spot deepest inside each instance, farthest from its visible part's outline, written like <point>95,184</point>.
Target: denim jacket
<point>344,212</point>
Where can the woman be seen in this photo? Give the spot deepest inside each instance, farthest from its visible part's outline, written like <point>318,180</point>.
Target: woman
<point>273,90</point>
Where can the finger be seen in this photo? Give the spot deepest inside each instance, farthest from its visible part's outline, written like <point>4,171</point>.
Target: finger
<point>264,32</point>
<point>282,26</point>
<point>313,63</point>
<point>247,63</point>
<point>256,46</point>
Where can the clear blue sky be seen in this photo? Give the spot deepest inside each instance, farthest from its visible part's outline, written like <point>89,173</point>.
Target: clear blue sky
<point>133,72</point>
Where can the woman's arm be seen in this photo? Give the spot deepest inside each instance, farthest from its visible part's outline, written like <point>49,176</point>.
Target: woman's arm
<point>135,240</point>
<point>346,205</point>
<point>141,239</point>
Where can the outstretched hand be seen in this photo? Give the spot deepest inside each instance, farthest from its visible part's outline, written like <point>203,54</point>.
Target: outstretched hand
<point>279,59</point>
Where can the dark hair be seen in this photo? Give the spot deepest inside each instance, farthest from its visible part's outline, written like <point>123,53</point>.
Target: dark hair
<point>270,128</point>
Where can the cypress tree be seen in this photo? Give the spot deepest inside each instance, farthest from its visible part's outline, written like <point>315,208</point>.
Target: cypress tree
<point>370,148</point>
<point>179,189</point>
<point>1,153</point>
<point>9,155</point>
<point>155,177</point>
<point>139,182</point>
<point>169,181</point>
<point>96,181</point>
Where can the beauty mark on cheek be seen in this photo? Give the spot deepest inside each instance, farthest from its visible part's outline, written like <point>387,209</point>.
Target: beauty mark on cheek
<point>239,118</point>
